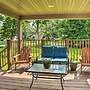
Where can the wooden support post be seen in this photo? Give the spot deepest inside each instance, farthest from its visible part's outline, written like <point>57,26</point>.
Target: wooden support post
<point>9,53</point>
<point>19,34</point>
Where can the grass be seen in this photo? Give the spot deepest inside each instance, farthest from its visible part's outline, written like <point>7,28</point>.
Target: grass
<point>3,42</point>
<point>74,53</point>
<point>5,67</point>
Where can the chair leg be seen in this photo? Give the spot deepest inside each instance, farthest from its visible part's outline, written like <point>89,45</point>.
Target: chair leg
<point>29,64</point>
<point>81,69</point>
<point>15,66</point>
<point>68,67</point>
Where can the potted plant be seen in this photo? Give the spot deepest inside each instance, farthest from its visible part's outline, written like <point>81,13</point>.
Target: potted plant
<point>46,63</point>
<point>73,65</point>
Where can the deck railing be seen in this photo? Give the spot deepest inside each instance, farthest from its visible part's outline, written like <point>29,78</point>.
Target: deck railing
<point>3,58</point>
<point>74,47</point>
<point>36,45</point>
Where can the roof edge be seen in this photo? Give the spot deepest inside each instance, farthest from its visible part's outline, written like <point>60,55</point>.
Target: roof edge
<point>57,16</point>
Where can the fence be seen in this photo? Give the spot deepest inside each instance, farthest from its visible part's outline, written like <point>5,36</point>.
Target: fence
<point>3,58</point>
<point>74,48</point>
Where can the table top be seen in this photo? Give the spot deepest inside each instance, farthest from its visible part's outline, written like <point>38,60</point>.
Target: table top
<point>54,69</point>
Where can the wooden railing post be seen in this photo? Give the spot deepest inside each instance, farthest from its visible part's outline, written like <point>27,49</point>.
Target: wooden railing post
<point>89,44</point>
<point>67,42</point>
<point>42,42</point>
<point>9,53</point>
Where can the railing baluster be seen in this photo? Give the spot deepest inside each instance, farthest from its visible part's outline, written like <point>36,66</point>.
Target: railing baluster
<point>74,48</point>
<point>3,58</point>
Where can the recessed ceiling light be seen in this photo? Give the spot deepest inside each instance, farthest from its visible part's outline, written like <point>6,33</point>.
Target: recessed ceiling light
<point>51,6</point>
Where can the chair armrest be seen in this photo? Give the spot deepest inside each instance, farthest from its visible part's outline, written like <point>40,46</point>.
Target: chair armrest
<point>16,56</point>
<point>30,56</point>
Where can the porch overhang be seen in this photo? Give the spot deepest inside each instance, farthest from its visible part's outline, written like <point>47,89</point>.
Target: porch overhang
<point>46,9</point>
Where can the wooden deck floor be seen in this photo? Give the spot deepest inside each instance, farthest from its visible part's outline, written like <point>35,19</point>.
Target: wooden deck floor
<point>20,81</point>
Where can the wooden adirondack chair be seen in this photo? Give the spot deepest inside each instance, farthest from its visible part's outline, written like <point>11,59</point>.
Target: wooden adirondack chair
<point>85,58</point>
<point>23,57</point>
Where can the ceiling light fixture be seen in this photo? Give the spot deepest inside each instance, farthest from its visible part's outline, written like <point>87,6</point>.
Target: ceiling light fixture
<point>51,6</point>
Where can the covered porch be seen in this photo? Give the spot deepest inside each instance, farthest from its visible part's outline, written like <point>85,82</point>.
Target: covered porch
<point>36,10</point>
<point>43,10</point>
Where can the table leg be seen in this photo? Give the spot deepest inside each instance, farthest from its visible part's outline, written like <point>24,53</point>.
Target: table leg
<point>61,80</point>
<point>32,80</point>
<point>36,76</point>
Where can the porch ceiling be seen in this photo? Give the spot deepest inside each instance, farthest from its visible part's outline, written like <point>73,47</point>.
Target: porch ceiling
<point>46,9</point>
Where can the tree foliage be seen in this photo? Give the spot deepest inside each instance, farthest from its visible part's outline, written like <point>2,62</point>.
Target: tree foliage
<point>48,29</point>
<point>57,29</point>
<point>75,29</point>
<point>9,27</point>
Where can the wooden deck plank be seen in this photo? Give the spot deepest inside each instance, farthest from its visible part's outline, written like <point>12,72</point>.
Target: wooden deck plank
<point>16,81</point>
<point>13,83</point>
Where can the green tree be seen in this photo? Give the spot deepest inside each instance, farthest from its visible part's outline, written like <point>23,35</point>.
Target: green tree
<point>75,29</point>
<point>9,28</point>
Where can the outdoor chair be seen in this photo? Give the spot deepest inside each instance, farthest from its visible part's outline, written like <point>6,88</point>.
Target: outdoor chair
<point>47,53</point>
<point>61,55</point>
<point>85,58</point>
<point>23,57</point>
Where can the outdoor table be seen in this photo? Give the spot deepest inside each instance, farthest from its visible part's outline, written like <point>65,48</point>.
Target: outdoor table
<point>54,69</point>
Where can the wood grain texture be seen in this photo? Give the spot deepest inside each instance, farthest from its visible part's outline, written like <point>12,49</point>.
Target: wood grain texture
<point>17,82</point>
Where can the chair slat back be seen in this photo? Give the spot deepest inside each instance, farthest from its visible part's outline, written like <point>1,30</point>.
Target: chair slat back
<point>85,55</point>
<point>24,53</point>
